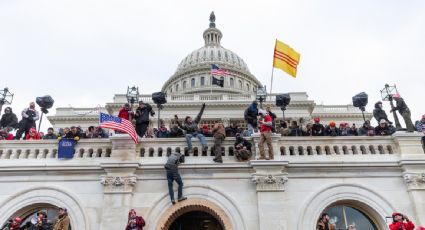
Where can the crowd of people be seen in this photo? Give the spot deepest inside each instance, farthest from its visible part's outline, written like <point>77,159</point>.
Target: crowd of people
<point>40,222</point>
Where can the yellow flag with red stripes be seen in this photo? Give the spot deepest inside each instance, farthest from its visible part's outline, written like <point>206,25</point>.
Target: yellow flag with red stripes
<point>286,58</point>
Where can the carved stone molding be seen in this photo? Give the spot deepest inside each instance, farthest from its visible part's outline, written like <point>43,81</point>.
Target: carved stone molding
<point>415,180</point>
<point>270,182</point>
<point>118,184</point>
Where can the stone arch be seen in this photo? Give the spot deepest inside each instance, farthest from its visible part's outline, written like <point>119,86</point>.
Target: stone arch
<point>22,201</point>
<point>368,201</point>
<point>193,205</point>
<point>212,199</point>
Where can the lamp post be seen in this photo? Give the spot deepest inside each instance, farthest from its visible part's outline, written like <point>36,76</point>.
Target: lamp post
<point>6,98</point>
<point>261,94</point>
<point>387,94</point>
<point>132,95</point>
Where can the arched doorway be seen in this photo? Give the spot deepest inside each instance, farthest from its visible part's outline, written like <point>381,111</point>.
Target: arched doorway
<point>343,215</point>
<point>196,220</point>
<point>194,214</point>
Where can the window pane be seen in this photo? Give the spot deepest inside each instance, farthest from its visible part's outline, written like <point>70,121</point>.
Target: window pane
<point>343,216</point>
<point>202,81</point>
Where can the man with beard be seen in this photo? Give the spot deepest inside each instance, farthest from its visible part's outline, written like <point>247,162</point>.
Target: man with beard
<point>142,117</point>
<point>29,116</point>
<point>134,222</point>
<point>9,119</point>
<point>62,223</point>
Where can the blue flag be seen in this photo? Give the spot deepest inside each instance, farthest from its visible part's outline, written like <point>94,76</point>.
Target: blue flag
<point>66,148</point>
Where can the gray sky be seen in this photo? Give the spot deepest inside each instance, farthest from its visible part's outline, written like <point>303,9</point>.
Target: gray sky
<point>82,52</point>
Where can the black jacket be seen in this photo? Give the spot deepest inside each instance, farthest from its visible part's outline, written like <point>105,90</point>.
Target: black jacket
<point>9,120</point>
<point>401,106</point>
<point>142,114</point>
<point>231,131</point>
<point>384,131</point>
<point>379,113</point>
<point>318,130</point>
<point>192,128</point>
<point>242,142</point>
<point>250,115</point>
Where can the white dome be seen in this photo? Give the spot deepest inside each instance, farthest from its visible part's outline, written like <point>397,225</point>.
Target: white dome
<point>212,55</point>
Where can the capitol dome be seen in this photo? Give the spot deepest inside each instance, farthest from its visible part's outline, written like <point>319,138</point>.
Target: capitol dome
<point>193,74</point>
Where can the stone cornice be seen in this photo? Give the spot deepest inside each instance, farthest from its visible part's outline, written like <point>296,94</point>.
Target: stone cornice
<point>118,184</point>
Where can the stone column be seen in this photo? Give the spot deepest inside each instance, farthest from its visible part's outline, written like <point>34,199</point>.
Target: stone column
<point>270,178</point>
<point>415,183</point>
<point>118,182</point>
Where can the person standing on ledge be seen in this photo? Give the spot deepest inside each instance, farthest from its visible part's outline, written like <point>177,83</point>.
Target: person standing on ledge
<point>265,135</point>
<point>173,174</point>
<point>404,111</point>
<point>142,118</point>
<point>219,134</point>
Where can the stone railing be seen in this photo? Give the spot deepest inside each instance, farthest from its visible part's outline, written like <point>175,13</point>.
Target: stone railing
<point>156,150</point>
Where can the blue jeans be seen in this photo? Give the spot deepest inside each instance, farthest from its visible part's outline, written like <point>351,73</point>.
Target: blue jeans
<point>171,177</point>
<point>250,128</point>
<point>201,138</point>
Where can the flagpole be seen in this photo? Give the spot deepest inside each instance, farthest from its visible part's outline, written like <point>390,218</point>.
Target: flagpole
<point>271,80</point>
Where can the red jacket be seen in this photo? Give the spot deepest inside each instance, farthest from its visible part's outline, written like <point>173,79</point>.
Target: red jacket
<point>266,128</point>
<point>123,113</point>
<point>140,223</point>
<point>406,226</point>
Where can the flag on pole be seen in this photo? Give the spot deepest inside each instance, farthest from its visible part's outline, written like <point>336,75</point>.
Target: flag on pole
<point>110,122</point>
<point>286,58</point>
<point>216,71</point>
<point>219,82</point>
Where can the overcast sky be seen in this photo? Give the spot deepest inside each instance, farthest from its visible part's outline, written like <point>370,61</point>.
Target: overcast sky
<point>82,52</point>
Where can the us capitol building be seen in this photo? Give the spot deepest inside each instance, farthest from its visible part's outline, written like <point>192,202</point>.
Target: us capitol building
<point>357,180</point>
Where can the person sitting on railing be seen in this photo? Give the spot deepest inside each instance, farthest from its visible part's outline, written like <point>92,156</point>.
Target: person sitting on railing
<point>50,135</point>
<point>332,130</point>
<point>8,119</point>
<point>72,133</point>
<point>318,129</point>
<point>232,130</point>
<point>206,131</point>
<point>343,129</point>
<point>192,130</point>
<point>353,130</point>
<point>308,130</point>
<point>32,135</point>
<point>250,116</point>
<point>5,134</point>
<point>284,130</point>
<point>162,131</point>
<point>383,129</point>
<point>294,129</point>
<point>242,148</point>
<point>175,132</point>
<point>219,134</point>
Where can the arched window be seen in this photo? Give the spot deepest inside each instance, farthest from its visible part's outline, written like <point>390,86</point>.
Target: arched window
<point>343,216</point>
<point>232,83</point>
<point>192,83</point>
<point>171,89</point>
<point>177,87</point>
<point>240,84</point>
<point>202,81</point>
<point>247,86</point>
<point>184,84</point>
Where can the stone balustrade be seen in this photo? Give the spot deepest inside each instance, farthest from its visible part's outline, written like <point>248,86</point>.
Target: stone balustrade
<point>156,150</point>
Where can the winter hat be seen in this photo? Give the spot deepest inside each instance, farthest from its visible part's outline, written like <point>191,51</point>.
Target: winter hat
<point>262,112</point>
<point>332,124</point>
<point>317,119</point>
<point>42,212</point>
<point>382,121</point>
<point>131,212</point>
<point>397,95</point>
<point>342,125</point>
<point>18,220</point>
<point>64,209</point>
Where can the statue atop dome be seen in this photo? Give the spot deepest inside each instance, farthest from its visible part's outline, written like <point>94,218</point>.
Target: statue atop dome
<point>212,20</point>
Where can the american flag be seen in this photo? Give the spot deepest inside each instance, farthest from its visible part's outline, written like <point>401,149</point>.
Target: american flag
<point>216,71</point>
<point>110,122</point>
